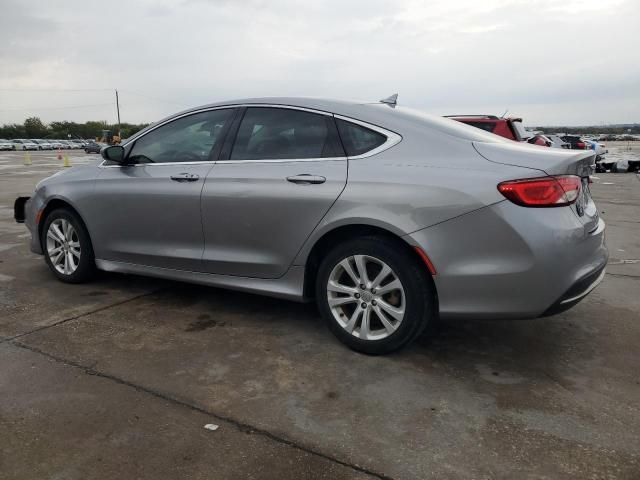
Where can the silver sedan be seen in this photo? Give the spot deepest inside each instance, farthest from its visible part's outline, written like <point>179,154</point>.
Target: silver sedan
<point>389,218</point>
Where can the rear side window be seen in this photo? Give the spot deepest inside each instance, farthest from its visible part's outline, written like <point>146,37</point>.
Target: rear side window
<point>357,139</point>
<point>282,133</point>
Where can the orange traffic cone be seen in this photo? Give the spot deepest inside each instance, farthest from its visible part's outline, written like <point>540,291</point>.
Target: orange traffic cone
<point>59,154</point>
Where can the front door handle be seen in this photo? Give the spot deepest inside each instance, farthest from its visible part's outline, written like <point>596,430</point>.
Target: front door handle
<point>306,179</point>
<point>185,177</point>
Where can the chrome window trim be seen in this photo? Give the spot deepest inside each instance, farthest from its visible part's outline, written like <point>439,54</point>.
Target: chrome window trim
<point>211,162</point>
<point>282,160</point>
<point>117,165</point>
<point>392,137</point>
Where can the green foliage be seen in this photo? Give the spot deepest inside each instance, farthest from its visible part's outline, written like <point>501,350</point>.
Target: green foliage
<point>34,128</point>
<point>632,129</point>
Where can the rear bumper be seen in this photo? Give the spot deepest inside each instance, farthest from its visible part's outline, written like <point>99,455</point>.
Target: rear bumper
<point>577,292</point>
<point>510,262</point>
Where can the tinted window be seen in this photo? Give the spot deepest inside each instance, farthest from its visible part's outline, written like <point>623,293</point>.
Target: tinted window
<point>487,126</point>
<point>280,133</point>
<point>358,139</point>
<point>187,139</point>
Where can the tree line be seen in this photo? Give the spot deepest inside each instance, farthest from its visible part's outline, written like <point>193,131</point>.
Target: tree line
<point>633,129</point>
<point>33,127</point>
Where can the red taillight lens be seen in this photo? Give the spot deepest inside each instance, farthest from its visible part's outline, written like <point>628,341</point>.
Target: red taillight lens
<point>580,145</point>
<point>542,192</point>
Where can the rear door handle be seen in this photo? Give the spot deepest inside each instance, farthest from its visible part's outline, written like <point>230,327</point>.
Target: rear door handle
<point>306,179</point>
<point>185,177</point>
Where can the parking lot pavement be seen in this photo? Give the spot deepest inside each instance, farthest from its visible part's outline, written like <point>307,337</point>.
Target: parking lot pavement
<point>119,377</point>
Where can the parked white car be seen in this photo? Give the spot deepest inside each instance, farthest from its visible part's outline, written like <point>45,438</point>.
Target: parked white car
<point>23,144</point>
<point>557,142</point>
<point>42,144</point>
<point>5,144</point>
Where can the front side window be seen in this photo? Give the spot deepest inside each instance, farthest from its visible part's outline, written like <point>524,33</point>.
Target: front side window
<point>187,139</point>
<point>281,133</point>
<point>357,139</point>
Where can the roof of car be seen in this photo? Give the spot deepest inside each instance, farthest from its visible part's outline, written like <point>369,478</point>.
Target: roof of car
<point>387,116</point>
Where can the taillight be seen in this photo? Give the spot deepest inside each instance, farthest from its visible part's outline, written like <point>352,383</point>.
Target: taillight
<point>556,191</point>
<point>580,145</point>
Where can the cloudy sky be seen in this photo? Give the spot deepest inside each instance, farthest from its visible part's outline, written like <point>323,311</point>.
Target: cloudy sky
<point>571,62</point>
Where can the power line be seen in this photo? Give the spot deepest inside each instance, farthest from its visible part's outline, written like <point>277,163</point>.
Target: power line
<point>55,89</point>
<point>154,98</point>
<point>55,108</point>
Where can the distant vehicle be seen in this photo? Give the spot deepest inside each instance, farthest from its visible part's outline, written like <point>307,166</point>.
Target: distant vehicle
<point>6,145</point>
<point>109,138</point>
<point>575,142</point>
<point>509,127</point>
<point>93,147</point>
<point>55,144</point>
<point>602,164</point>
<point>557,142</point>
<point>539,139</point>
<point>23,144</point>
<point>67,144</point>
<point>42,144</point>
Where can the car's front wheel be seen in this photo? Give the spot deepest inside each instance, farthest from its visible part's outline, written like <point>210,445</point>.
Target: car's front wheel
<point>375,294</point>
<point>67,247</point>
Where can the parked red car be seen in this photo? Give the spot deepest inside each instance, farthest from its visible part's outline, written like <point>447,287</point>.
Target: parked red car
<point>508,127</point>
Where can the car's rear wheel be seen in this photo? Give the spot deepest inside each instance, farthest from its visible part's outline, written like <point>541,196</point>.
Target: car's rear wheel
<point>375,294</point>
<point>67,247</point>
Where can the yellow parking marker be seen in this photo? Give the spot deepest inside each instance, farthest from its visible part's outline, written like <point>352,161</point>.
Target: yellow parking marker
<point>67,162</point>
<point>27,158</point>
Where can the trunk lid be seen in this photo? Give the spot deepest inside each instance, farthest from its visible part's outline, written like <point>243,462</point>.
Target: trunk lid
<point>550,161</point>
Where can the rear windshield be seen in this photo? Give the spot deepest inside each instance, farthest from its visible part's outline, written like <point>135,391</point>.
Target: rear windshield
<point>519,128</point>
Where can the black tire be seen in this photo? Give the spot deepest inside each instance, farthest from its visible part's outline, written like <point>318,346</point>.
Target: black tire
<point>419,292</point>
<point>614,167</point>
<point>86,268</point>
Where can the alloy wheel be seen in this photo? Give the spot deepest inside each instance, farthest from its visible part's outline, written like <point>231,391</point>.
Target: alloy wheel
<point>366,297</point>
<point>63,246</point>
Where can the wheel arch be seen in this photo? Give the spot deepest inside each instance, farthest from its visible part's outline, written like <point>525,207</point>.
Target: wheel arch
<point>54,204</point>
<point>330,238</point>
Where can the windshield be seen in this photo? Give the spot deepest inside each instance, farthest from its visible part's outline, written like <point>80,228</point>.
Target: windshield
<point>519,128</point>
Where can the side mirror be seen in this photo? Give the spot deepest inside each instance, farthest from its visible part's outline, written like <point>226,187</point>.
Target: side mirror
<point>114,153</point>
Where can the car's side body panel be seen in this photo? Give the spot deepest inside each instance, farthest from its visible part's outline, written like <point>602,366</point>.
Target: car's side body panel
<point>146,217</point>
<point>241,198</point>
<point>424,180</point>
<point>289,286</point>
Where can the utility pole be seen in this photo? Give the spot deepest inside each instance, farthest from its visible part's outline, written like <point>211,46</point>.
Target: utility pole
<point>118,109</point>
